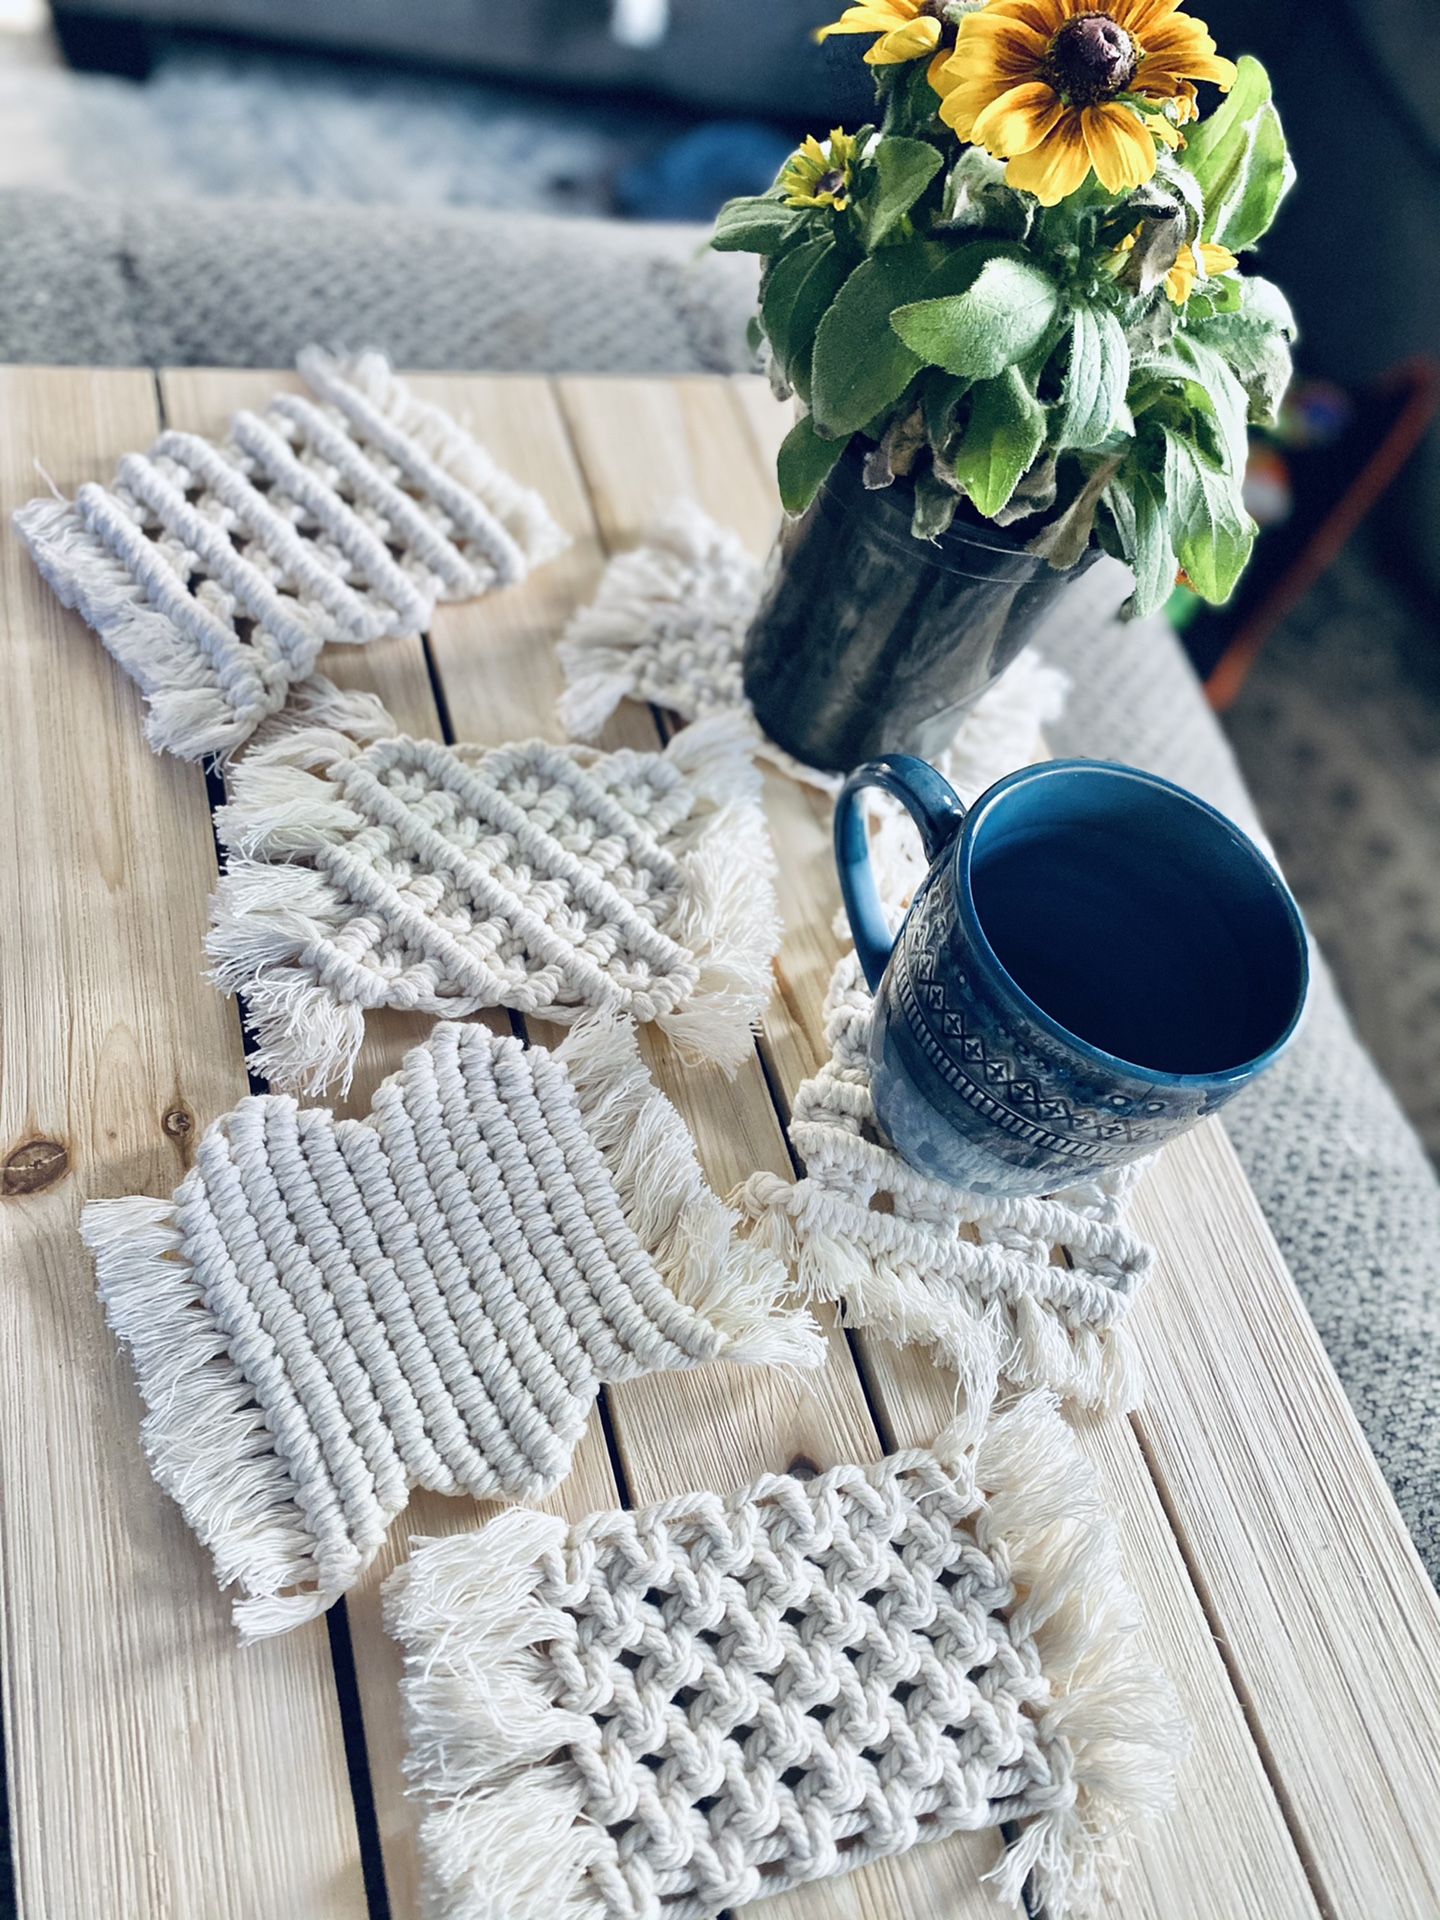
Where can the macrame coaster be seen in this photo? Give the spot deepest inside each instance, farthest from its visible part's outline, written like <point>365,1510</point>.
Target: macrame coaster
<point>216,573</point>
<point>537,877</point>
<point>1032,1291</point>
<point>669,622</point>
<point>657,1715</point>
<point>326,1313</point>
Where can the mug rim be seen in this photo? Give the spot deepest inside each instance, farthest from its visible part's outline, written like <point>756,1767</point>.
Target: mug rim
<point>962,856</point>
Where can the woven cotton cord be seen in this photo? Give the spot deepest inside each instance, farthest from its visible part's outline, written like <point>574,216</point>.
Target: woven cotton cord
<point>669,1712</point>
<point>542,878</point>
<point>976,1278</point>
<point>668,626</point>
<point>327,1313</point>
<point>215,573</point>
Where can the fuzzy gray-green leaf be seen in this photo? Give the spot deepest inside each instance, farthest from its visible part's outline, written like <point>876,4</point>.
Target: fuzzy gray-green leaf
<point>1006,430</point>
<point>803,462</point>
<point>1096,379</point>
<point>902,170</point>
<point>995,322</point>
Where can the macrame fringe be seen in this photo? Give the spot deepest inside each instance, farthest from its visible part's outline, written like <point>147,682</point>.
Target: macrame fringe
<point>491,1752</point>
<point>730,919</point>
<point>693,586</point>
<point>317,705</point>
<point>734,1284</point>
<point>205,1437</point>
<point>521,512</point>
<point>502,1833</point>
<point>267,909</point>
<point>184,716</point>
<point>970,1307</point>
<point>1114,1714</point>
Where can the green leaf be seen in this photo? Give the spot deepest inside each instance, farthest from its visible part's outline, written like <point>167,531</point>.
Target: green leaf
<point>798,288</point>
<point>939,397</point>
<point>1095,380</point>
<point>1064,539</point>
<point>902,170</point>
<point>1142,522</point>
<point>1261,299</point>
<point>911,103</point>
<point>860,367</point>
<point>803,462</point>
<point>1213,532</point>
<point>1255,343</point>
<point>991,325</point>
<point>1240,161</point>
<point>1229,404</point>
<point>757,223</point>
<point>977,199</point>
<point>1005,431</point>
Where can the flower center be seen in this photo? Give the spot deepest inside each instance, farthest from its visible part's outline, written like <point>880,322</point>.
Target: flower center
<point>1091,58</point>
<point>831,182</point>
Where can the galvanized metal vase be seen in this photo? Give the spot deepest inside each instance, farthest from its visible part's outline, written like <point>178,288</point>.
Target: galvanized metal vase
<point>869,641</point>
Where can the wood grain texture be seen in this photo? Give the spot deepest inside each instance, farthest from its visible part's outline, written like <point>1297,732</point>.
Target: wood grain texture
<point>154,1769</point>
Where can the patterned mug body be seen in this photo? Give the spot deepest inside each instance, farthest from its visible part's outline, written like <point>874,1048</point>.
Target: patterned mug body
<point>1094,962</point>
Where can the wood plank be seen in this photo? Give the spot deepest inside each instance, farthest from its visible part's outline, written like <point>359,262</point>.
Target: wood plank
<point>1227,1793</point>
<point>643,445</point>
<point>396,670</point>
<point>1257,1457</point>
<point>1314,1587</point>
<point>154,1768</point>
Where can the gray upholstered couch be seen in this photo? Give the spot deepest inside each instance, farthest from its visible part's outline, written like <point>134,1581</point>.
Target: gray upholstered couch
<point>1341,1176</point>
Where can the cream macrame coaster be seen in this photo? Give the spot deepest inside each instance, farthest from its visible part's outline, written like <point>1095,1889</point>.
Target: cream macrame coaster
<point>215,573</point>
<point>327,1313</point>
<point>537,877</point>
<point>657,1715</point>
<point>668,624</point>
<point>1032,1291</point>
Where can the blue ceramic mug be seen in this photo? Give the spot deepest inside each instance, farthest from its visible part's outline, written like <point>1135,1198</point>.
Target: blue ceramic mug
<point>1094,962</point>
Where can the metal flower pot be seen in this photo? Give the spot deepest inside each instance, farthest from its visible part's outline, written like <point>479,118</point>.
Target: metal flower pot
<point>869,641</point>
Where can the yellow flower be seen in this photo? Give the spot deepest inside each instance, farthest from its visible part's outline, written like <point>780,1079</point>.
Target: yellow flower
<point>907,28</point>
<point>817,176</point>
<point>1057,87</point>
<point>1180,280</point>
<point>1202,262</point>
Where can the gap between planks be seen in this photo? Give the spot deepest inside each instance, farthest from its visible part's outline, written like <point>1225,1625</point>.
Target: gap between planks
<point>151,1769</point>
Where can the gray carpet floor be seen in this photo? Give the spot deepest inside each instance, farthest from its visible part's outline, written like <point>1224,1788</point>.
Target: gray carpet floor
<point>1338,732</point>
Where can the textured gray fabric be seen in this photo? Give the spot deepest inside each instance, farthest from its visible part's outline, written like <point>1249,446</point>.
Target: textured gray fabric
<point>1343,1180</point>
<point>64,295</point>
<point>236,283</point>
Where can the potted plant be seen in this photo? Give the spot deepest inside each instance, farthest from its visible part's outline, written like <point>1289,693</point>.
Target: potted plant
<point>1014,323</point>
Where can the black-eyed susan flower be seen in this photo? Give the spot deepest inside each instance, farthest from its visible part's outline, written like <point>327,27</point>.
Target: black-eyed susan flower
<point>820,176</point>
<point>1058,87</point>
<point>1202,262</point>
<point>907,29</point>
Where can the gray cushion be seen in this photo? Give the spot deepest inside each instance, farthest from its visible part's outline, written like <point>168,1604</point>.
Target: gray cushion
<point>245,284</point>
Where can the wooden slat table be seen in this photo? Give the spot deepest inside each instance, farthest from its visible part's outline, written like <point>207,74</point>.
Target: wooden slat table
<point>154,1769</point>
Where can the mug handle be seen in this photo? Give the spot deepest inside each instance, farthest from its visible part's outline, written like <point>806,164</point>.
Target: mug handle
<point>932,804</point>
